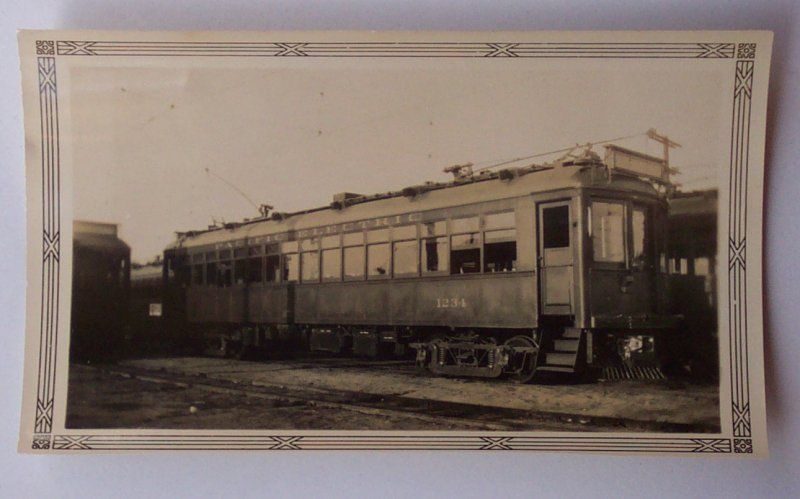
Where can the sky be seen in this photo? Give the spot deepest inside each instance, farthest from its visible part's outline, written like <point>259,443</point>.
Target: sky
<point>293,133</point>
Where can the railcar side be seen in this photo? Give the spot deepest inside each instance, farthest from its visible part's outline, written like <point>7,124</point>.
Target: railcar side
<point>553,268</point>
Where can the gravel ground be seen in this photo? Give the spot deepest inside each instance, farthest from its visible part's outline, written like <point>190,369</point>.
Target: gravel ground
<point>98,399</point>
<point>654,401</point>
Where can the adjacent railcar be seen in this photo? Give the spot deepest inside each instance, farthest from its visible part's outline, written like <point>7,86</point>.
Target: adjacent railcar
<point>145,311</point>
<point>693,278</point>
<point>547,268</point>
<point>100,279</point>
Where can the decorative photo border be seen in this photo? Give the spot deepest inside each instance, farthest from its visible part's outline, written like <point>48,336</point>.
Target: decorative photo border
<point>742,55</point>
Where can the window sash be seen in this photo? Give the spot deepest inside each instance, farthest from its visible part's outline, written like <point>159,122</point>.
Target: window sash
<point>379,259</point>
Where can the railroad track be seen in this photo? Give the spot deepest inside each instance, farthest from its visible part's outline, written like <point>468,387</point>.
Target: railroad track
<point>461,415</point>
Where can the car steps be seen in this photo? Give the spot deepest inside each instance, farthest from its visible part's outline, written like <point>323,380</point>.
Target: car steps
<point>563,355</point>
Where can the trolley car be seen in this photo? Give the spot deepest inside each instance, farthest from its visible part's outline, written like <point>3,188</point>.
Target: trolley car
<point>556,268</point>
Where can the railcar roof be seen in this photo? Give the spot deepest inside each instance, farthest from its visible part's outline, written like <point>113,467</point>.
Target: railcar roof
<point>99,242</point>
<point>487,186</point>
<point>694,203</point>
<point>149,271</point>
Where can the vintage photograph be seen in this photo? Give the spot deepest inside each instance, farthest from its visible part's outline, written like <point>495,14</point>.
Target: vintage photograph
<point>437,238</point>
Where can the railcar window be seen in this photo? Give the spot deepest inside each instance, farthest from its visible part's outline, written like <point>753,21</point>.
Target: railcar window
<point>354,262</point>
<point>353,239</point>
<point>466,261</point>
<point>378,236</point>
<point>254,268</point>
<point>555,227</point>
<point>309,266</point>
<point>211,274</point>
<point>239,271</point>
<point>224,254</point>
<point>240,252</point>
<point>434,228</point>
<point>211,255</point>
<point>224,274</point>
<point>331,264</point>
<point>465,250</point>
<point>273,266</point>
<point>500,250</point>
<point>378,260</point>
<point>255,250</point>
<point>272,249</point>
<point>405,258</point>
<point>290,267</point>
<point>434,253</point>
<point>639,228</point>
<point>702,265</point>
<point>608,232</point>
<point>197,275</point>
<point>197,258</point>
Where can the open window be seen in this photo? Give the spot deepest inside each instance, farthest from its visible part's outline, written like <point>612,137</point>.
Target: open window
<point>291,263</point>
<point>272,270</point>
<point>465,246</point>
<point>433,247</point>
<point>239,265</point>
<point>225,274</point>
<point>197,274</point>
<point>500,242</point>
<point>211,274</point>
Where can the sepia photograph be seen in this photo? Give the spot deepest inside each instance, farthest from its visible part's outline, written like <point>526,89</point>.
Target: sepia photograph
<point>369,241</point>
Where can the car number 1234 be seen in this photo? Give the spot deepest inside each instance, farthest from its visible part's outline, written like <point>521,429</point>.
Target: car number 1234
<point>451,303</point>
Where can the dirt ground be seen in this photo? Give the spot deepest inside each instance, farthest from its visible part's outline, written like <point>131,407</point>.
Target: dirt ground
<point>658,401</point>
<point>97,399</point>
<point>101,400</point>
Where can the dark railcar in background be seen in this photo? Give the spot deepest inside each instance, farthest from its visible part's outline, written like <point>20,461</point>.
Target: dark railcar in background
<point>100,280</point>
<point>146,309</point>
<point>693,276</point>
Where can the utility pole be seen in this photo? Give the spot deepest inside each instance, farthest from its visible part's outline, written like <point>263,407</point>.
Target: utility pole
<point>665,141</point>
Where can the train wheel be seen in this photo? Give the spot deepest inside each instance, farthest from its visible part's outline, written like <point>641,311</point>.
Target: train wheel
<point>522,366</point>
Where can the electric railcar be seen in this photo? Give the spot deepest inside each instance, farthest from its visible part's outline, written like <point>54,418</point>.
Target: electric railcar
<point>100,279</point>
<point>548,268</point>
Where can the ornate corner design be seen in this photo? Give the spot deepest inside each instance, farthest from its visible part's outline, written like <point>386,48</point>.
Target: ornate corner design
<point>746,51</point>
<point>45,47</point>
<point>40,442</point>
<point>742,446</point>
